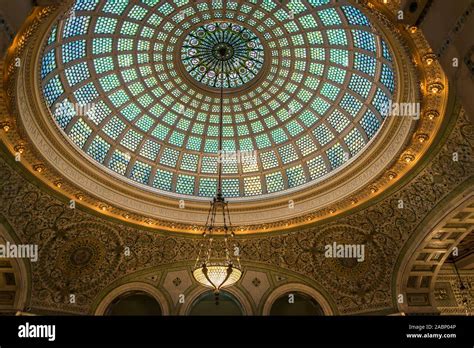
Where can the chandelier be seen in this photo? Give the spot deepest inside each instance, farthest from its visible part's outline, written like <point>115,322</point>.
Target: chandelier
<point>217,266</point>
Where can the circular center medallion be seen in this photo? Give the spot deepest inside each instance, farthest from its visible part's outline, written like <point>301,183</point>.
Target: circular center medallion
<point>81,256</point>
<point>222,53</point>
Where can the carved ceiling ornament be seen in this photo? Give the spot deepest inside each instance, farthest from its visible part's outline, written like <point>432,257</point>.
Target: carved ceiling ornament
<point>375,171</point>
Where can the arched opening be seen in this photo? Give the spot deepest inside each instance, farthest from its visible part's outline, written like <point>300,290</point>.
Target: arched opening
<point>437,289</point>
<point>296,304</point>
<point>13,279</point>
<point>134,303</point>
<point>8,286</point>
<point>206,305</point>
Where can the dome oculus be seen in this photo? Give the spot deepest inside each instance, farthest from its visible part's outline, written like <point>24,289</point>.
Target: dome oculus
<point>222,53</point>
<point>113,78</point>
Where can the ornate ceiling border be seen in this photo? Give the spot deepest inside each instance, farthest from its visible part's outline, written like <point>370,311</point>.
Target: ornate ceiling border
<point>43,152</point>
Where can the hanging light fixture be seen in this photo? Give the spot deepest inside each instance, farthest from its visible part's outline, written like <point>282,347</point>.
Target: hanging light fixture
<point>217,266</point>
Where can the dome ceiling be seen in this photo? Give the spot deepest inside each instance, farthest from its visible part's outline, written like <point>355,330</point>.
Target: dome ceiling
<point>134,85</point>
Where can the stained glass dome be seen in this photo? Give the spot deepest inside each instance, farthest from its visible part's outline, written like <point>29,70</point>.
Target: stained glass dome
<point>118,79</point>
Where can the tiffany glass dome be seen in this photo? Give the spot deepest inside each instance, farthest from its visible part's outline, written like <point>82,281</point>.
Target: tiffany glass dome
<point>134,86</point>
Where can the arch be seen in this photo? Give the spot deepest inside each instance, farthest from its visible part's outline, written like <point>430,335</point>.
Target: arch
<point>300,305</point>
<point>16,277</point>
<point>206,305</point>
<point>132,287</point>
<point>427,253</point>
<point>295,288</point>
<point>134,303</point>
<point>245,305</point>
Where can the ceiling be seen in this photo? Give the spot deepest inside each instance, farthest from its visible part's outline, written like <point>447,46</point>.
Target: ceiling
<point>134,86</point>
<point>115,118</point>
<point>83,247</point>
